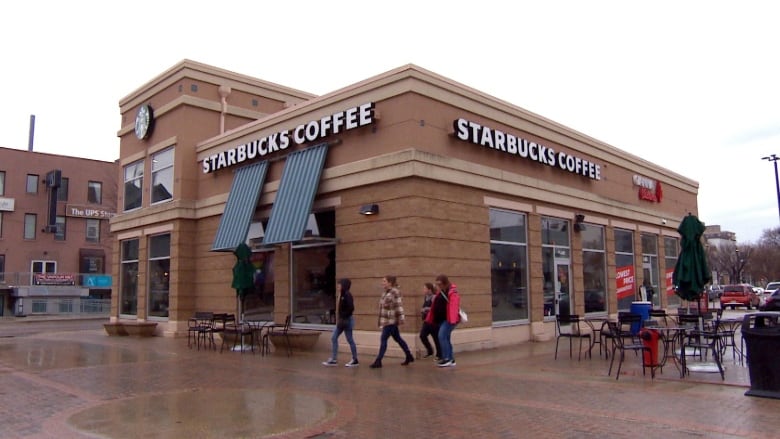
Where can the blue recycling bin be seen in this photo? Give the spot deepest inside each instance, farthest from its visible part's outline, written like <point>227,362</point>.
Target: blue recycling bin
<point>643,309</point>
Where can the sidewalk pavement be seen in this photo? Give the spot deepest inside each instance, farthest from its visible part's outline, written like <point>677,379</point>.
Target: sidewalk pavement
<point>82,383</point>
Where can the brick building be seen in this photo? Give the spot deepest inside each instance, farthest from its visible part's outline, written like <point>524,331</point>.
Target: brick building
<point>406,173</point>
<point>54,234</point>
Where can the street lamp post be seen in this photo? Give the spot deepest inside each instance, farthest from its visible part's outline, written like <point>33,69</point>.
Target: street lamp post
<point>773,158</point>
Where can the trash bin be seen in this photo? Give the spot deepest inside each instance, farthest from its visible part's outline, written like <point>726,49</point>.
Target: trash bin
<point>643,309</point>
<point>761,332</point>
<point>650,338</point>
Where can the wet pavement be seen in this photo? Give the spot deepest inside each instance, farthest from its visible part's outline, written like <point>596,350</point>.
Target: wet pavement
<point>80,383</point>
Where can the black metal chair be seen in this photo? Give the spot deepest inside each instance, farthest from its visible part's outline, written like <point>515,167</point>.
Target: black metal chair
<point>704,341</point>
<point>623,344</point>
<point>238,331</point>
<point>568,326</point>
<point>266,346</point>
<point>199,327</point>
<point>660,314</point>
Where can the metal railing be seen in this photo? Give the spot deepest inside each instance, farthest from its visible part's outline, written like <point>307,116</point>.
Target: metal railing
<point>75,306</point>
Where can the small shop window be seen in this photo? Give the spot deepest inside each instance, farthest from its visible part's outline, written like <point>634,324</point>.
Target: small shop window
<point>624,268</point>
<point>670,260</point>
<point>128,279</point>
<point>159,274</point>
<point>594,268</point>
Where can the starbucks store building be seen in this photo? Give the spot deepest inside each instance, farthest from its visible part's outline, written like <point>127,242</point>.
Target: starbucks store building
<point>407,173</point>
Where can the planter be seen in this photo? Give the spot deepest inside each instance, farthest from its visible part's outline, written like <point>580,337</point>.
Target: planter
<point>115,329</point>
<point>137,329</point>
<point>140,329</point>
<point>299,340</point>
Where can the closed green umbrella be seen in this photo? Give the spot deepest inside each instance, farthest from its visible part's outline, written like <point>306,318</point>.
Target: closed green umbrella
<point>691,273</point>
<point>243,275</point>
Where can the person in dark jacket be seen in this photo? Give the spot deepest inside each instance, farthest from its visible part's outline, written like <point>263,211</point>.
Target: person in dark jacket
<point>345,324</point>
<point>429,329</point>
<point>445,312</point>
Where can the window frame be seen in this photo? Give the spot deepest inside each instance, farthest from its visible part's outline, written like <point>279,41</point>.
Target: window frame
<point>61,233</point>
<point>87,228</point>
<point>34,217</point>
<point>62,191</point>
<point>521,243</point>
<point>151,260</point>
<point>136,165</point>
<point>633,265</point>
<point>99,191</point>
<point>603,252</point>
<point>124,264</point>
<point>158,170</point>
<point>35,186</point>
<point>2,183</point>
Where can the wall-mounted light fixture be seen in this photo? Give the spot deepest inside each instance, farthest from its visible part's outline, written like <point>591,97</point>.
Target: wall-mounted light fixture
<point>578,222</point>
<point>369,209</point>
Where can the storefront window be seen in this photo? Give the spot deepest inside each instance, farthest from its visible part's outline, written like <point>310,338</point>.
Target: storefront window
<point>159,274</point>
<point>556,263</point>
<point>314,272</point>
<point>128,288</point>
<point>134,183</point>
<point>594,268</point>
<point>670,260</point>
<point>508,266</point>
<point>162,176</point>
<point>259,304</point>
<point>625,277</point>
<point>650,264</point>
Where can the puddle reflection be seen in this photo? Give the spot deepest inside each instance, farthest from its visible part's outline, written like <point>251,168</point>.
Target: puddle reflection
<point>213,413</point>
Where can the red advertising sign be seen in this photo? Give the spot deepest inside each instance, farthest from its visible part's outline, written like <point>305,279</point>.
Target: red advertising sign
<point>625,281</point>
<point>669,286</point>
<point>54,279</point>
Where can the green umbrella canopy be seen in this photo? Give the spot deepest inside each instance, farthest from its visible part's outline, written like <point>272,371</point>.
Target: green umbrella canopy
<point>691,272</point>
<point>243,270</point>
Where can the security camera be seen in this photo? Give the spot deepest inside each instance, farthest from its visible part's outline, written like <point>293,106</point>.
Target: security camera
<point>663,221</point>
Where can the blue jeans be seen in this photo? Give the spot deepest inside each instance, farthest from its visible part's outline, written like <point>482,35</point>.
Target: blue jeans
<point>445,332</point>
<point>387,332</point>
<point>348,332</point>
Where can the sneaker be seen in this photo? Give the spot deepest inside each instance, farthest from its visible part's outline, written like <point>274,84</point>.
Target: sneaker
<point>446,363</point>
<point>330,362</point>
<point>352,363</point>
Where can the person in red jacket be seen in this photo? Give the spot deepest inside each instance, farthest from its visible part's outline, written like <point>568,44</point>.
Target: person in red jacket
<point>445,313</point>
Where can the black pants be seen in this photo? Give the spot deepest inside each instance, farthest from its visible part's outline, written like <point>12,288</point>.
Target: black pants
<point>432,330</point>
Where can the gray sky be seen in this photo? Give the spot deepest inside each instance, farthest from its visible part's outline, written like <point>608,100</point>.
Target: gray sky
<point>691,86</point>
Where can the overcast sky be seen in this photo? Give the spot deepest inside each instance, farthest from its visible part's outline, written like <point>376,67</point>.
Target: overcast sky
<point>689,85</point>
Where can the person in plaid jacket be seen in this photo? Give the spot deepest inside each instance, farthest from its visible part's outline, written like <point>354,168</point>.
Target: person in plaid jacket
<point>391,314</point>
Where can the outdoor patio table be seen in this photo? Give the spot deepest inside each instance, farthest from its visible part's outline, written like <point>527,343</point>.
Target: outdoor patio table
<point>258,326</point>
<point>595,338</point>
<point>729,327</point>
<point>672,336</point>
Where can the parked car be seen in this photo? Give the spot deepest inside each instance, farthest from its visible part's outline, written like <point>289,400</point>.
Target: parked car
<point>714,292</point>
<point>772,302</point>
<point>739,295</point>
<point>771,287</point>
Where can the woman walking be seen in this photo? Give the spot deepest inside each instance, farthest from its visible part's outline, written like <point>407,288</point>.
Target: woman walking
<point>445,308</point>
<point>391,314</point>
<point>345,324</point>
<point>429,329</point>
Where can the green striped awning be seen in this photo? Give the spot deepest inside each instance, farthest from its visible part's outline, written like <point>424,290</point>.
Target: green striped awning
<point>240,207</point>
<point>300,179</point>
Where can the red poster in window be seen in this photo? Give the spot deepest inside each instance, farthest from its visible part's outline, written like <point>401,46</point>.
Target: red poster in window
<point>669,286</point>
<point>624,279</point>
